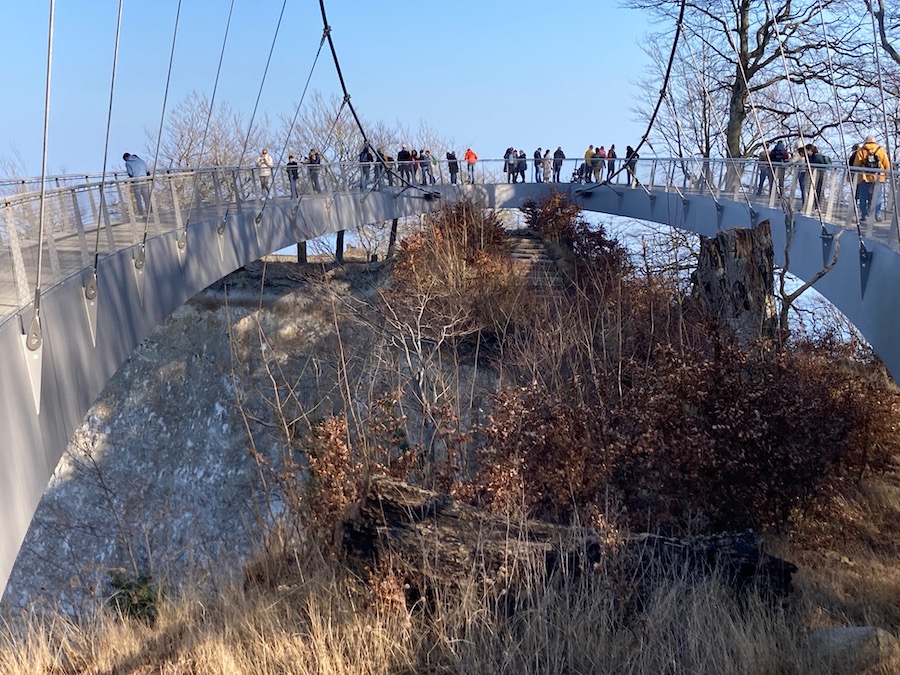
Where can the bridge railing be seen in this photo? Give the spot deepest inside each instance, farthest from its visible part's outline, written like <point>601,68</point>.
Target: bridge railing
<point>86,217</point>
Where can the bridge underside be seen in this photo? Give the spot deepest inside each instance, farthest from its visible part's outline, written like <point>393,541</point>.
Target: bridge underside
<point>85,346</point>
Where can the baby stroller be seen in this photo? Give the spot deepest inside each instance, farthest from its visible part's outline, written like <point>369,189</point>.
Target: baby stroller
<point>578,175</point>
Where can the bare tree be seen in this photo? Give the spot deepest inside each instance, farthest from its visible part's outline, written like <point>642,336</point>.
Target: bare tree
<point>227,141</point>
<point>755,50</point>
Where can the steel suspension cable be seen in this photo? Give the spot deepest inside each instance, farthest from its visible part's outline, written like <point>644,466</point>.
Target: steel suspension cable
<point>721,128</point>
<point>162,119</point>
<point>787,202</point>
<point>786,205</point>
<point>883,111</point>
<point>668,74</point>
<point>662,91</point>
<point>309,183</point>
<point>287,140</point>
<point>262,84</point>
<point>209,114</point>
<point>91,290</point>
<point>672,111</point>
<point>834,91</point>
<point>34,339</point>
<point>337,65</point>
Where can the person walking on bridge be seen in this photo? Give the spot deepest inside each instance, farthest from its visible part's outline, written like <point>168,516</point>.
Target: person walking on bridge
<point>586,167</point>
<point>558,158</point>
<point>538,166</point>
<point>873,157</point>
<point>598,162</point>
<point>404,164</point>
<point>522,165</point>
<point>137,169</point>
<point>452,166</point>
<point>293,175</point>
<point>510,160</point>
<point>265,163</point>
<point>764,166</point>
<point>470,158</point>
<point>314,162</point>
<point>631,158</point>
<point>780,156</point>
<point>611,162</point>
<point>365,165</point>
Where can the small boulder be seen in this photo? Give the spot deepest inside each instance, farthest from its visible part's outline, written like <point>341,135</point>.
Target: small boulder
<point>864,650</point>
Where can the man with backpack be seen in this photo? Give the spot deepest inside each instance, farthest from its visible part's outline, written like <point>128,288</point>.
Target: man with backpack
<point>872,157</point>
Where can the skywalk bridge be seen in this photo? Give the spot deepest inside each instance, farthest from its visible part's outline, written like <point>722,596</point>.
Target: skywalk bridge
<point>75,303</point>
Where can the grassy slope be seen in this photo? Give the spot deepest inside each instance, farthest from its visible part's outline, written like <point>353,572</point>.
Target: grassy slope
<point>318,621</point>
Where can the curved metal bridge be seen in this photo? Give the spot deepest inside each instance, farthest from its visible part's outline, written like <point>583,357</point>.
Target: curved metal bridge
<point>109,275</point>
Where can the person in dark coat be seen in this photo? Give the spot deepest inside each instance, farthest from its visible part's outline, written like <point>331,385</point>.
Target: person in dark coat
<point>293,175</point>
<point>404,164</point>
<point>453,167</point>
<point>611,157</point>
<point>365,165</point>
<point>522,165</point>
<point>510,165</point>
<point>558,158</point>
<point>631,158</point>
<point>314,162</point>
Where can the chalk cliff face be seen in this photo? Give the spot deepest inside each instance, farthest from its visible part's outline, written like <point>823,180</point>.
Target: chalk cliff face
<point>158,477</point>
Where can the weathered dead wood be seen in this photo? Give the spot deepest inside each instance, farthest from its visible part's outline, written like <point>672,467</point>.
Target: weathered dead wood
<point>735,282</point>
<point>432,539</point>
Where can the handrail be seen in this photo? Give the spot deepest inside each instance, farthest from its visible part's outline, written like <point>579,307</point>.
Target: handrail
<point>827,192</point>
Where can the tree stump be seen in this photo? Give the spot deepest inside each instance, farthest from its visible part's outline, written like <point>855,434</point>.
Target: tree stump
<point>432,540</point>
<point>735,283</point>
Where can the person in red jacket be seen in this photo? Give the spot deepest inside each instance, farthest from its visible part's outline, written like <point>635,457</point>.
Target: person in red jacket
<point>471,158</point>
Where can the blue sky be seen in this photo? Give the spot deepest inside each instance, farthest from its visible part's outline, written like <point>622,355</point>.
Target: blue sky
<point>485,74</point>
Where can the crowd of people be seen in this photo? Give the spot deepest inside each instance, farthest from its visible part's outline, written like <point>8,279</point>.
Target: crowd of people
<point>812,165</point>
<point>423,168</point>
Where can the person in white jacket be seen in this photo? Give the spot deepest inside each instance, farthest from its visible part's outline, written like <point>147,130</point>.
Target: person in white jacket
<point>265,163</point>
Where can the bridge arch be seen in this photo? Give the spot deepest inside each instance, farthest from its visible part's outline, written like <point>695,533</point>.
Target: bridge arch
<point>84,347</point>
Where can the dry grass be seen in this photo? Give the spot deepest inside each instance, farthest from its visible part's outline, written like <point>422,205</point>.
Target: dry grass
<point>849,556</point>
<point>328,621</point>
<point>310,616</point>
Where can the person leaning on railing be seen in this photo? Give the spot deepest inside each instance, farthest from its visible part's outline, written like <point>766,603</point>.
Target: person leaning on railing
<point>872,156</point>
<point>137,169</point>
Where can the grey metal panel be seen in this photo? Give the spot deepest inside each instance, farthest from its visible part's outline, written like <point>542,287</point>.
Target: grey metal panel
<point>23,468</point>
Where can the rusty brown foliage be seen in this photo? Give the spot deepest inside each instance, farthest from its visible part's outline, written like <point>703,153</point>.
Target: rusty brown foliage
<point>560,222</point>
<point>640,399</point>
<point>334,474</point>
<point>615,390</point>
<point>453,278</point>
